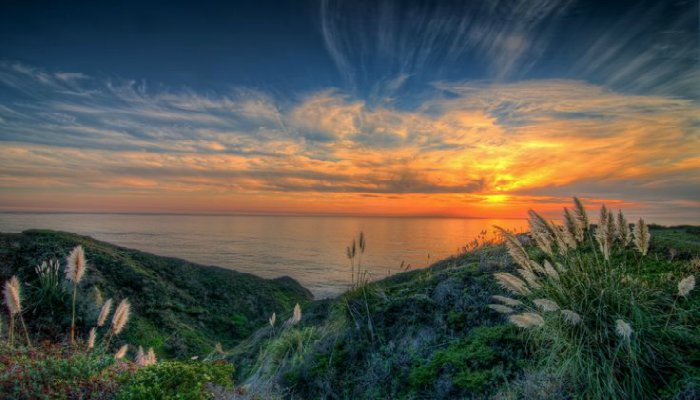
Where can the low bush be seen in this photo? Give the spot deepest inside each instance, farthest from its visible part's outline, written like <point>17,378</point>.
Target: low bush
<point>603,313</point>
<point>175,380</point>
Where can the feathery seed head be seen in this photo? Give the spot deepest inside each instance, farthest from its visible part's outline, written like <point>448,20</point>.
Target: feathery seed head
<point>604,232</point>
<point>546,305</point>
<point>507,301</point>
<point>104,312</point>
<point>76,265</point>
<point>642,237</point>
<point>273,319</point>
<point>151,356</point>
<point>121,316</point>
<point>571,317</point>
<point>121,352</point>
<point>12,296</point>
<point>515,248</point>
<point>568,238</point>
<point>536,267</point>
<point>97,295</point>
<point>550,270</point>
<point>512,283</point>
<point>562,239</point>
<point>580,215</point>
<point>529,277</point>
<point>686,285</point>
<point>573,225</point>
<point>140,357</point>
<point>500,308</point>
<point>623,329</point>
<point>296,315</point>
<point>527,320</point>
<point>541,231</point>
<point>91,338</point>
<point>623,229</point>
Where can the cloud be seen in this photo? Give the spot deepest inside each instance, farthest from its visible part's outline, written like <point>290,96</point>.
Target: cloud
<point>468,144</point>
<point>373,42</point>
<point>649,47</point>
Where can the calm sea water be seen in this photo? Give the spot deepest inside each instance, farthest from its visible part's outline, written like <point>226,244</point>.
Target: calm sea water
<point>309,249</point>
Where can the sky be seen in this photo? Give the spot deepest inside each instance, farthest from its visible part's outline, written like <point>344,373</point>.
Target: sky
<point>395,108</point>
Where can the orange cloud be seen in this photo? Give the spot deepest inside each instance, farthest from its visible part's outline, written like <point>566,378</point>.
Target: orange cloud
<point>490,151</point>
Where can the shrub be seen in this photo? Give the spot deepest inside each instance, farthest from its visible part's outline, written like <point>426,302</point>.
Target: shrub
<point>56,372</point>
<point>175,380</point>
<point>483,359</point>
<point>593,312</point>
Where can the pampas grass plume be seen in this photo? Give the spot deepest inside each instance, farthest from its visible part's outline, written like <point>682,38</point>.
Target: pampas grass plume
<point>76,265</point>
<point>642,237</point>
<point>550,270</point>
<point>91,338</point>
<point>12,296</point>
<point>527,320</point>
<point>515,248</point>
<point>500,308</point>
<point>121,316</point>
<point>151,356</point>
<point>140,357</point>
<point>296,316</point>
<point>104,312</point>
<point>121,352</point>
<point>571,317</point>
<point>546,305</point>
<point>529,277</point>
<point>580,214</point>
<point>686,285</point>
<point>507,301</point>
<point>512,283</point>
<point>623,329</point>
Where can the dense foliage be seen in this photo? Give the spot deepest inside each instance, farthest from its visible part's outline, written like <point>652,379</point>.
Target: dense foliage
<point>175,380</point>
<point>179,308</point>
<point>429,333</point>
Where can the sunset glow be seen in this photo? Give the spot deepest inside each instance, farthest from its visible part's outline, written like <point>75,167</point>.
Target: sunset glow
<point>408,142</point>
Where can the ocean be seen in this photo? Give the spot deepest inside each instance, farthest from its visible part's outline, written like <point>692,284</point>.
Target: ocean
<point>310,249</point>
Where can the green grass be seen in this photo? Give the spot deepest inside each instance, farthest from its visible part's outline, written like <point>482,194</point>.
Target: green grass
<point>411,335</point>
<point>175,380</point>
<point>596,356</point>
<point>180,308</point>
<point>416,335</point>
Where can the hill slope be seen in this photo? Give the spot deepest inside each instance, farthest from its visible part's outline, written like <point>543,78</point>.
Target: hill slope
<point>181,308</point>
<point>427,334</point>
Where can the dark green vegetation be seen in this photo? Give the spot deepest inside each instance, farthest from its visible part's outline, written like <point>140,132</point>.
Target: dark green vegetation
<point>174,380</point>
<point>180,309</point>
<point>54,372</point>
<point>427,334</point>
<point>422,334</point>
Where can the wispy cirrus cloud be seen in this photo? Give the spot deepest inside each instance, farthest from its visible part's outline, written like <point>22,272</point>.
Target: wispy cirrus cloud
<point>383,47</point>
<point>462,150</point>
<point>382,43</point>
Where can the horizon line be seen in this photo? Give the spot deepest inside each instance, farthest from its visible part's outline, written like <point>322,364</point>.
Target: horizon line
<point>243,214</point>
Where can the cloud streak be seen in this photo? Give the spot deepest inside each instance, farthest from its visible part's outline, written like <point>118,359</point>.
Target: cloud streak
<point>464,148</point>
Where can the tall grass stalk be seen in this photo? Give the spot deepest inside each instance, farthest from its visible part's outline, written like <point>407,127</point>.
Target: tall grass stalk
<point>13,300</point>
<point>607,328</point>
<point>75,270</point>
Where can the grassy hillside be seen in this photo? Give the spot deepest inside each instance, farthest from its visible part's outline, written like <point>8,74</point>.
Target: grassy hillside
<point>181,308</point>
<point>429,334</point>
<point>421,334</point>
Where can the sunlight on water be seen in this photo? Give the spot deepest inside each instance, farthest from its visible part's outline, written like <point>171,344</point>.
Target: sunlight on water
<point>309,249</point>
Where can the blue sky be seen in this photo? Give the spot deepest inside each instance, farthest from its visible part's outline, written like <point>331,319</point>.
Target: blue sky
<point>435,108</point>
